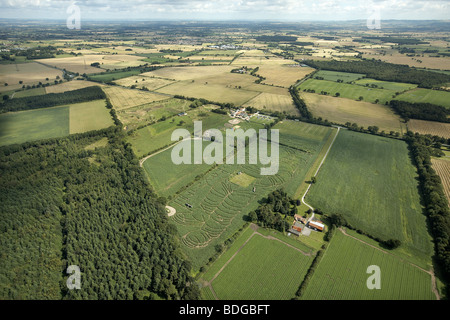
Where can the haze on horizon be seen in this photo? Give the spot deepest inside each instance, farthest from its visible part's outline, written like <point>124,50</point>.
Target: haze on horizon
<point>219,10</point>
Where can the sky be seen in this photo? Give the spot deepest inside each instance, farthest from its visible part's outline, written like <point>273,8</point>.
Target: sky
<point>211,10</point>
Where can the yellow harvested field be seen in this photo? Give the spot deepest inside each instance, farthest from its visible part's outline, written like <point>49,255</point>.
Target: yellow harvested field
<point>143,81</point>
<point>427,62</point>
<point>213,92</point>
<point>273,102</point>
<point>212,57</point>
<point>71,85</point>
<point>258,61</point>
<point>342,110</point>
<point>82,64</point>
<point>284,76</point>
<point>123,98</point>
<point>189,73</point>
<point>29,73</point>
<point>442,168</point>
<point>430,127</point>
<point>178,47</point>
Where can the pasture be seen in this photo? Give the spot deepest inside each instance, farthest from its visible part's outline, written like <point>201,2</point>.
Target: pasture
<point>264,269</point>
<point>395,86</point>
<point>22,126</point>
<point>29,73</point>
<point>441,98</point>
<point>342,274</point>
<point>430,127</point>
<point>342,110</point>
<point>30,125</point>
<point>334,76</point>
<point>151,112</point>
<point>349,91</point>
<point>371,181</point>
<point>87,116</point>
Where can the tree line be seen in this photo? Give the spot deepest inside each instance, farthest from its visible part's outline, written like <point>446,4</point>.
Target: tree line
<point>422,111</point>
<point>384,71</point>
<point>436,204</point>
<point>53,99</point>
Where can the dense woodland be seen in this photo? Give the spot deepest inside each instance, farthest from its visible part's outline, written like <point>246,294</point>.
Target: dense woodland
<point>421,111</point>
<point>384,71</point>
<point>53,99</point>
<point>62,204</point>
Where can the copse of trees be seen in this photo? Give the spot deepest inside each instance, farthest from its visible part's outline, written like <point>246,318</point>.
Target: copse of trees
<point>422,111</point>
<point>384,71</point>
<point>53,99</point>
<point>273,210</point>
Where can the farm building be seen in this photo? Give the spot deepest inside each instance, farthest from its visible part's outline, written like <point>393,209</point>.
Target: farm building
<point>316,225</point>
<point>300,218</point>
<point>296,228</point>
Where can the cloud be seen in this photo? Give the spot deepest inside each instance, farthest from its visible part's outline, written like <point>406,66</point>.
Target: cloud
<point>229,9</point>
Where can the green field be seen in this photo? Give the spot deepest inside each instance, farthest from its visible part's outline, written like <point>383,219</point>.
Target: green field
<point>342,274</point>
<point>264,269</point>
<point>395,86</point>
<point>349,91</point>
<point>441,98</point>
<point>87,116</point>
<point>334,75</point>
<point>219,205</point>
<point>22,126</point>
<point>372,182</point>
<point>29,92</point>
<point>111,76</point>
<point>151,138</point>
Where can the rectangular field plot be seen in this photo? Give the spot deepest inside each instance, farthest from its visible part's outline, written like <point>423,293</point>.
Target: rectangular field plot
<point>87,116</point>
<point>123,98</point>
<point>264,269</point>
<point>342,274</point>
<point>430,127</point>
<point>273,102</point>
<point>334,75</point>
<point>349,91</point>
<point>442,168</point>
<point>371,181</point>
<point>211,91</point>
<point>22,126</point>
<point>29,73</point>
<point>284,76</point>
<point>396,86</point>
<point>441,98</point>
<point>342,110</point>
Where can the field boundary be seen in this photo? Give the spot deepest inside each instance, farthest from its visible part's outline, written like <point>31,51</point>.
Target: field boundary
<point>317,171</point>
<point>430,272</point>
<point>255,232</point>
